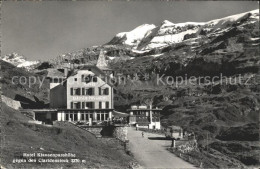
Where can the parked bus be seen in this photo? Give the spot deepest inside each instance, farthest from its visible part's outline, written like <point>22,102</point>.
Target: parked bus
<point>174,132</point>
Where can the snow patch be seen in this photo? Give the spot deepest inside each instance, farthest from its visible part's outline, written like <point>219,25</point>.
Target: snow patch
<point>135,36</point>
<point>254,39</point>
<point>28,63</point>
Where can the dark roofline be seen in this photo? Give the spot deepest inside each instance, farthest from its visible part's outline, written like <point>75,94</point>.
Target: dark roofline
<point>144,109</point>
<point>82,109</point>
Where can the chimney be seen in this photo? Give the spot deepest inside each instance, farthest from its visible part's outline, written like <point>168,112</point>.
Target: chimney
<point>66,72</point>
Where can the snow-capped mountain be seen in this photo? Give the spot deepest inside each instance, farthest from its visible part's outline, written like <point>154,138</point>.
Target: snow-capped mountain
<point>19,61</point>
<point>134,37</point>
<point>147,37</point>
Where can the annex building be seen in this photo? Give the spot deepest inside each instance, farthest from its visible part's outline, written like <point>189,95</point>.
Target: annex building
<point>144,117</point>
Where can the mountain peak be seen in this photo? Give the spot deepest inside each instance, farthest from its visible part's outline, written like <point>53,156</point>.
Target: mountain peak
<point>166,22</point>
<point>14,58</point>
<point>18,60</point>
<point>134,36</point>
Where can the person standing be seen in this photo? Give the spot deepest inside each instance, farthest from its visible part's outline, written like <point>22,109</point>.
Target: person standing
<point>142,134</point>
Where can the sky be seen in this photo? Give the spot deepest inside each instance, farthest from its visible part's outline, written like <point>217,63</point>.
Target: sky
<point>44,30</point>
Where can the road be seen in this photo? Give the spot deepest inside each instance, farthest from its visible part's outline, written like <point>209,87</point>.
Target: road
<point>150,151</point>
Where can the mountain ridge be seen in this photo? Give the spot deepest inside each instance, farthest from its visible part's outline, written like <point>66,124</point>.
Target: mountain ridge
<point>20,61</point>
<point>170,33</point>
<point>149,39</point>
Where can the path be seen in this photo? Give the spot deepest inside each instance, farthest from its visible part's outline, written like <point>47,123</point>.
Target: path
<point>151,152</point>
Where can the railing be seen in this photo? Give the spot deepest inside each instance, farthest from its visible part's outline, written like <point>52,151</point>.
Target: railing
<point>157,131</point>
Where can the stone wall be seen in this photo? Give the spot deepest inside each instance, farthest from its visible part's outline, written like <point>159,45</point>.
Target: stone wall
<point>11,103</point>
<point>120,133</point>
<point>95,131</point>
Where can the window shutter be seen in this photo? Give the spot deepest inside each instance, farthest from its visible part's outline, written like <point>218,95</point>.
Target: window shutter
<point>83,91</point>
<point>83,105</point>
<point>93,91</point>
<point>106,91</point>
<point>100,105</point>
<point>71,91</point>
<point>82,78</point>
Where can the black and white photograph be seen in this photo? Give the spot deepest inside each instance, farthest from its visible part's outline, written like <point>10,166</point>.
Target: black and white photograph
<point>128,84</point>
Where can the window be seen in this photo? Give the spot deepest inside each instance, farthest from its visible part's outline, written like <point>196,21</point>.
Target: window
<point>104,91</point>
<point>75,117</point>
<point>82,116</point>
<point>56,80</point>
<point>100,105</point>
<point>83,105</point>
<point>94,79</point>
<point>107,105</point>
<point>90,91</point>
<point>67,116</point>
<point>98,116</point>
<point>77,91</point>
<point>71,105</point>
<point>75,79</point>
<point>90,105</point>
<point>71,91</point>
<point>102,117</point>
<point>76,105</point>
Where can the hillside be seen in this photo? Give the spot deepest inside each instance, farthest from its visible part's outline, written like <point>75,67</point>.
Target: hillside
<point>15,85</point>
<point>61,138</point>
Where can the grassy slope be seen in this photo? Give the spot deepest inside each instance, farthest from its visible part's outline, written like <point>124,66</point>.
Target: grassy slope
<point>15,90</point>
<point>21,136</point>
